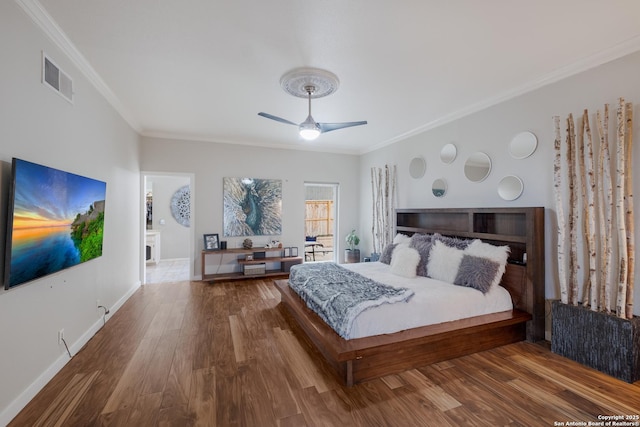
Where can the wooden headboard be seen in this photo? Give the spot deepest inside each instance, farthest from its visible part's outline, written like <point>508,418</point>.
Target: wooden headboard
<point>520,228</point>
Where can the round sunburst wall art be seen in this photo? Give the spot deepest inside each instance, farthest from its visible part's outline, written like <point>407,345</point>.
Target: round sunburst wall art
<point>181,205</point>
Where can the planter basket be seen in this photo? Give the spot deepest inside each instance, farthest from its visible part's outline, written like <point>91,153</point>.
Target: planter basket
<point>601,341</point>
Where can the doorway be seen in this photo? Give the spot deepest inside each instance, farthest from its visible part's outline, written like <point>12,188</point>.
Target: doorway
<point>319,222</point>
<point>168,237</point>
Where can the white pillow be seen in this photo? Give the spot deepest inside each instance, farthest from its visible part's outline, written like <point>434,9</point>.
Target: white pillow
<point>404,261</point>
<point>498,254</point>
<point>444,262</point>
<point>401,238</point>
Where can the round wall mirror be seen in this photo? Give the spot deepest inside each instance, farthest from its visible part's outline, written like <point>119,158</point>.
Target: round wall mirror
<point>510,187</point>
<point>439,187</point>
<point>448,154</point>
<point>417,167</point>
<point>523,145</point>
<point>477,167</point>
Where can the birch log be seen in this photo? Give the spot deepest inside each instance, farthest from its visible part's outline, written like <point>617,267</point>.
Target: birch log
<point>373,210</point>
<point>573,212</point>
<point>383,194</point>
<point>605,205</point>
<point>379,221</point>
<point>393,201</point>
<point>591,215</point>
<point>387,203</point>
<point>581,176</point>
<point>620,211</point>
<point>629,221</point>
<point>557,187</point>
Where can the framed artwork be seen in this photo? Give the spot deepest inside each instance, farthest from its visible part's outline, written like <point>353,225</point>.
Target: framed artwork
<point>211,242</point>
<point>181,206</point>
<point>252,207</point>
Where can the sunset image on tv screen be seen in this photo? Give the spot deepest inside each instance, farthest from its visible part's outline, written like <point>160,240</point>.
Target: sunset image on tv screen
<point>57,221</point>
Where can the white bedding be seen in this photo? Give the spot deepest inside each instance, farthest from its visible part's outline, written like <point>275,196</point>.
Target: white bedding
<point>434,302</point>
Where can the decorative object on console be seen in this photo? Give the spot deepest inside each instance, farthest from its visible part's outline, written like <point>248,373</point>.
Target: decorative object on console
<point>247,243</point>
<point>273,244</point>
<point>211,242</point>
<point>510,187</point>
<point>477,167</point>
<point>252,207</point>
<point>181,205</point>
<point>523,145</point>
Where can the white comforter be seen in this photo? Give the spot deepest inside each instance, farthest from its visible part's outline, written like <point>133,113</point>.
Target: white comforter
<point>434,302</point>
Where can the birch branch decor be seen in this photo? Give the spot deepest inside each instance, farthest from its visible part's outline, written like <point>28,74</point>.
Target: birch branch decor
<point>605,205</point>
<point>383,191</point>
<point>606,201</point>
<point>620,211</point>
<point>628,201</point>
<point>591,214</point>
<point>557,186</point>
<point>573,211</point>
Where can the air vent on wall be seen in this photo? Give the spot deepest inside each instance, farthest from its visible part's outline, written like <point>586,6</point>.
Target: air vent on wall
<point>56,79</point>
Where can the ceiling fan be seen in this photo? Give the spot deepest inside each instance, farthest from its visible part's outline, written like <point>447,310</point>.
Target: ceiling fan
<point>310,83</point>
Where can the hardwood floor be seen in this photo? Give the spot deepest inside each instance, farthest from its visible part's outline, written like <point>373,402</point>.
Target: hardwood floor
<point>194,354</point>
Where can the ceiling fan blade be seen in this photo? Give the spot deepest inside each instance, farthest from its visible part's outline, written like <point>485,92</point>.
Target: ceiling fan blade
<point>328,127</point>
<point>278,119</point>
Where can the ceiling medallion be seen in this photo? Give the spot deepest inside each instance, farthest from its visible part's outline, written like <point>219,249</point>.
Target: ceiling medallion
<point>297,81</point>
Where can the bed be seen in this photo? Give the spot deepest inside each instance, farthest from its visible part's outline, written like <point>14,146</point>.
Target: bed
<point>361,359</point>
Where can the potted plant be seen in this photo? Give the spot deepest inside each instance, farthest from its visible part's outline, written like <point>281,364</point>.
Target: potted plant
<point>352,254</point>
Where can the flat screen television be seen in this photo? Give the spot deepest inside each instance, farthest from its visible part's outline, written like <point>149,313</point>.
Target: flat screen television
<point>55,220</point>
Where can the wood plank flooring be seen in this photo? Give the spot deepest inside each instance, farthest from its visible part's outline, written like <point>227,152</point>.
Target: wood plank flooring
<point>195,354</point>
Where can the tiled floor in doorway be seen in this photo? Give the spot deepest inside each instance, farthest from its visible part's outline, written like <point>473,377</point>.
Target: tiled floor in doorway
<point>170,270</point>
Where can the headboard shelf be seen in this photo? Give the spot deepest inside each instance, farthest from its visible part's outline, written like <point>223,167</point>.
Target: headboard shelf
<point>473,235</point>
<point>520,228</point>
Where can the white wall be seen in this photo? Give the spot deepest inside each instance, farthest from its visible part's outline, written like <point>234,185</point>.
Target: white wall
<point>211,162</point>
<point>490,131</point>
<point>174,237</point>
<point>87,138</point>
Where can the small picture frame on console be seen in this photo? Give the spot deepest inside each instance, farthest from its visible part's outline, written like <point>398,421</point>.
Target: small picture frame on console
<point>211,242</point>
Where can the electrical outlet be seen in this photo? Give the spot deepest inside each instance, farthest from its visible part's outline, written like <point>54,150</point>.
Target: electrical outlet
<point>60,336</point>
<point>98,303</point>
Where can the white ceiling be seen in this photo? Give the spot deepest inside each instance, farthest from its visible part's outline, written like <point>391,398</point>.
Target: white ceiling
<point>203,69</point>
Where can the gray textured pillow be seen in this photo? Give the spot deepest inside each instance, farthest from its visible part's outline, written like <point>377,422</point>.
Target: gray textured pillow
<point>422,243</point>
<point>475,272</point>
<point>452,242</point>
<point>385,257</point>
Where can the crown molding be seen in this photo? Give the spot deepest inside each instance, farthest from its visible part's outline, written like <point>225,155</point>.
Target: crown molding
<point>617,51</point>
<point>47,24</point>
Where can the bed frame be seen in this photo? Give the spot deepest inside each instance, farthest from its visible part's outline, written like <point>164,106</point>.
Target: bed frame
<point>362,359</point>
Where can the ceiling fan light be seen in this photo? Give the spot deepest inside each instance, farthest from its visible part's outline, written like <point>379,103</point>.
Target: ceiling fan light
<point>309,129</point>
<point>309,134</point>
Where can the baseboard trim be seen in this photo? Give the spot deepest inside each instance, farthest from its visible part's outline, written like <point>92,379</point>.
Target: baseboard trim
<point>34,388</point>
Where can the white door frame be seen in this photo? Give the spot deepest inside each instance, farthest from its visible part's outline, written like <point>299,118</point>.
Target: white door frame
<point>192,220</point>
